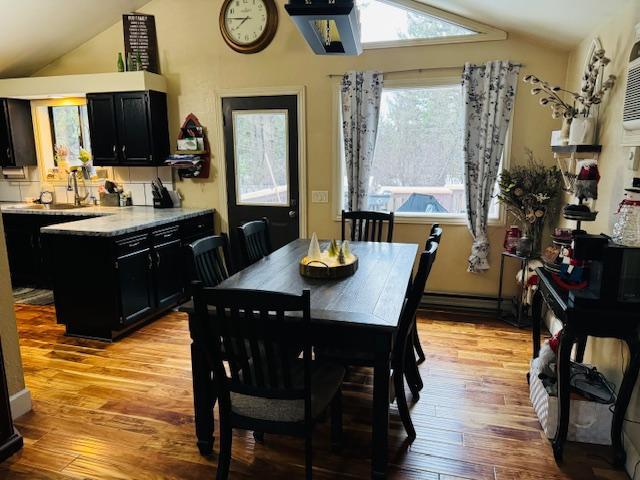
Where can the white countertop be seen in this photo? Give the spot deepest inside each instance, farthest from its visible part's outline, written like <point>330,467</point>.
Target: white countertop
<point>107,221</point>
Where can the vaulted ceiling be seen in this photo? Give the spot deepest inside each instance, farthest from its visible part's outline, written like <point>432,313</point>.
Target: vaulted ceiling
<point>35,32</point>
<point>555,22</point>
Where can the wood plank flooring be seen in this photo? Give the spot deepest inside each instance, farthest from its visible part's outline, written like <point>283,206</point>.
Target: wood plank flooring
<point>124,411</point>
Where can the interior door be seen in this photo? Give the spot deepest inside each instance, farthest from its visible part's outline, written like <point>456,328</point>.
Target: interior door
<point>261,154</point>
<point>133,127</point>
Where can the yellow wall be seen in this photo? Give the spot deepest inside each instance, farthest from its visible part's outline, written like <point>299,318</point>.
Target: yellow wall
<point>196,62</point>
<point>8,330</point>
<point>617,36</point>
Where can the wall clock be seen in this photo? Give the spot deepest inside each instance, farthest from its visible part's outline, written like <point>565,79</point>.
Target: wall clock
<point>248,26</point>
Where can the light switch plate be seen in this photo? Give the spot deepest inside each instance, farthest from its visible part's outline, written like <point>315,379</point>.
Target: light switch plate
<point>319,196</point>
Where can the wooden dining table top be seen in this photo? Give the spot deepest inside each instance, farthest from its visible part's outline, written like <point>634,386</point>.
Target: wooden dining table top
<point>373,296</point>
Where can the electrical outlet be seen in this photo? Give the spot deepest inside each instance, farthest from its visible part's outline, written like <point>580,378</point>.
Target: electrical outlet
<point>319,196</point>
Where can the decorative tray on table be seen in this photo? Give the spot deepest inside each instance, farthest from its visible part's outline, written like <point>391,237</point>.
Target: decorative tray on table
<point>336,262</point>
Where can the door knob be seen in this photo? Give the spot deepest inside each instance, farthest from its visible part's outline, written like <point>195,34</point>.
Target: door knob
<point>292,213</point>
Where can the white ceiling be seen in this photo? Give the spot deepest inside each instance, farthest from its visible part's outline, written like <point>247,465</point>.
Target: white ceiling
<point>33,33</point>
<point>561,22</point>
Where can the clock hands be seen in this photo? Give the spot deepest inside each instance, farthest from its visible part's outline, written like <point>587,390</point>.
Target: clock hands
<point>244,19</point>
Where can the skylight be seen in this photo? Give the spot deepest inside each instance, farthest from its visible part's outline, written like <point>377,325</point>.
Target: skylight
<point>382,21</point>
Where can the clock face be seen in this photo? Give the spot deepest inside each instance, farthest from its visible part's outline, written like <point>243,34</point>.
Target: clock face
<point>245,20</point>
<point>248,26</point>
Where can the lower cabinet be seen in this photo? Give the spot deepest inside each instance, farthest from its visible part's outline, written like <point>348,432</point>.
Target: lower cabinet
<point>125,282</point>
<point>28,258</point>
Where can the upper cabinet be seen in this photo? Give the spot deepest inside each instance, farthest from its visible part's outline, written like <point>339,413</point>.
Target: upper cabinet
<point>17,145</point>
<point>128,128</point>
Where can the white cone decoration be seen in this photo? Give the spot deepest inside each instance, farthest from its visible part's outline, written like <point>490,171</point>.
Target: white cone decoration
<point>346,250</point>
<point>314,248</point>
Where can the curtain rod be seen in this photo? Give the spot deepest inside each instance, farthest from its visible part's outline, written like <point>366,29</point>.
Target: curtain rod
<point>419,70</point>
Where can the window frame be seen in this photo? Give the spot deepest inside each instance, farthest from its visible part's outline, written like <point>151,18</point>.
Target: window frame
<point>44,141</point>
<point>400,217</point>
<point>485,33</point>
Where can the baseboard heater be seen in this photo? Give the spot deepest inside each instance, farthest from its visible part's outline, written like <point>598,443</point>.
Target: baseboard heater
<point>463,302</point>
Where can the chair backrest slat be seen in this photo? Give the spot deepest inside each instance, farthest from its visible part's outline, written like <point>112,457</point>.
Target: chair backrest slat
<point>260,339</point>
<point>367,226</point>
<point>209,260</point>
<point>254,239</point>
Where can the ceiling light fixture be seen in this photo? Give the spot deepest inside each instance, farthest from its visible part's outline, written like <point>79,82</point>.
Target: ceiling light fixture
<point>330,27</point>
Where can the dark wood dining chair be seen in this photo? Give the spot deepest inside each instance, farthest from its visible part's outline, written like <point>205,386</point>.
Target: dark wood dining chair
<point>402,364</point>
<point>268,389</point>
<point>254,240</point>
<point>435,236</point>
<point>368,226</point>
<point>209,260</point>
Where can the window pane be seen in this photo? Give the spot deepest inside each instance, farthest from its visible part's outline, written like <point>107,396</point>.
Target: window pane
<point>261,157</point>
<point>70,132</point>
<point>382,22</point>
<point>418,166</point>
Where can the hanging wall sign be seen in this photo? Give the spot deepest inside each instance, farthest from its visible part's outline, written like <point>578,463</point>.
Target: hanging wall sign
<point>140,39</point>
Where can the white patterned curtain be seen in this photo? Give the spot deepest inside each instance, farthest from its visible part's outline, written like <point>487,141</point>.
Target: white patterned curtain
<point>489,91</point>
<point>361,92</point>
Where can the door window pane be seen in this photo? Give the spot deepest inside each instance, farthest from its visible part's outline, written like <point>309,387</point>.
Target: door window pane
<point>260,146</point>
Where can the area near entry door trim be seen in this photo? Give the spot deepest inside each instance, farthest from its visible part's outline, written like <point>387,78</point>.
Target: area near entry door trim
<point>299,92</point>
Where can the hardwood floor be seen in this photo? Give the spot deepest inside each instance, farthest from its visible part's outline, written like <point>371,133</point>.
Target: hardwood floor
<point>124,411</point>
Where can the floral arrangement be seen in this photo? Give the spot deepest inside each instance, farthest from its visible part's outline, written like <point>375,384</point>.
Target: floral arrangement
<point>84,156</point>
<point>580,103</point>
<point>529,192</point>
<point>60,153</point>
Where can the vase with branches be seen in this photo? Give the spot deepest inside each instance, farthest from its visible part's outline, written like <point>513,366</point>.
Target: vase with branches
<point>530,193</point>
<point>568,105</point>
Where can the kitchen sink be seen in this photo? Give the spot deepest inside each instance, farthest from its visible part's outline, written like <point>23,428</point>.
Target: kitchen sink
<point>40,206</point>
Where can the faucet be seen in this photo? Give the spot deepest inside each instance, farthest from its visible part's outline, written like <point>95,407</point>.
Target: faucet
<point>72,186</point>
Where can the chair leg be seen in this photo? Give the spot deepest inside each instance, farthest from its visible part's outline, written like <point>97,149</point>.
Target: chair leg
<point>401,401</point>
<point>224,457</point>
<point>417,345</point>
<point>412,373</point>
<point>336,422</point>
<point>308,455</point>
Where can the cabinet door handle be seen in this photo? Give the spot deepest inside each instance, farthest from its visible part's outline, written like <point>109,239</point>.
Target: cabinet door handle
<point>167,235</point>
<point>150,261</point>
<point>157,260</point>
<point>115,153</point>
<point>124,152</point>
<point>8,153</point>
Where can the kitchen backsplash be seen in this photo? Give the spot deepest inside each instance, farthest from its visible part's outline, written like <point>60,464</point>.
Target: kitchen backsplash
<point>137,180</point>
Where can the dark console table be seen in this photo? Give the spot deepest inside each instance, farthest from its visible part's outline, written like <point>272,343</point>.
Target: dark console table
<point>579,323</point>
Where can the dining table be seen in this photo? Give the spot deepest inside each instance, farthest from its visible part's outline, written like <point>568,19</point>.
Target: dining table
<point>360,312</point>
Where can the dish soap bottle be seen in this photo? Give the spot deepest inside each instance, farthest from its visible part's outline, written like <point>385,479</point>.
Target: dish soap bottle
<point>626,230</point>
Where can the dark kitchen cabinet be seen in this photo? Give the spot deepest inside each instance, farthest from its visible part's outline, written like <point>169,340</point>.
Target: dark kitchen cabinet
<point>134,277</point>
<point>28,257</point>
<point>17,144</point>
<point>101,108</point>
<point>128,128</point>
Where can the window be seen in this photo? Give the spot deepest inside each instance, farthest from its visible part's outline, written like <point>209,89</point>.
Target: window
<point>395,23</point>
<point>418,166</point>
<point>383,22</point>
<point>69,132</point>
<point>260,146</point>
